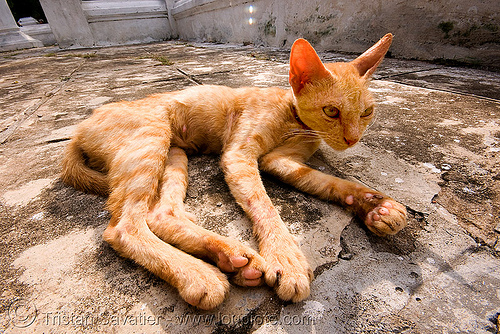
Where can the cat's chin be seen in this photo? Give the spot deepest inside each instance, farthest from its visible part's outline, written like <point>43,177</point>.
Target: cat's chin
<point>338,146</point>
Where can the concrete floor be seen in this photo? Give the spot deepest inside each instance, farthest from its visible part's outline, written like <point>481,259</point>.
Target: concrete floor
<point>434,147</point>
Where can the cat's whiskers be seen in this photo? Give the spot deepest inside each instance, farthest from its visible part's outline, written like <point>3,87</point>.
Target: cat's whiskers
<point>372,121</point>
<point>307,134</point>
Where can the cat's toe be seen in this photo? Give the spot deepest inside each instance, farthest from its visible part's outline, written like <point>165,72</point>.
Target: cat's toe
<point>207,290</point>
<point>251,274</point>
<point>230,264</point>
<point>293,287</point>
<point>381,214</point>
<point>290,274</point>
<point>248,277</point>
<point>244,264</point>
<point>387,218</point>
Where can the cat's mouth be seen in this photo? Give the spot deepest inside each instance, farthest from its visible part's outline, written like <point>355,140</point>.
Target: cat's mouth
<point>339,144</point>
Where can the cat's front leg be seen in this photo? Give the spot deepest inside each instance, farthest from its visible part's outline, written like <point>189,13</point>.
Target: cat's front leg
<point>380,213</point>
<point>288,270</point>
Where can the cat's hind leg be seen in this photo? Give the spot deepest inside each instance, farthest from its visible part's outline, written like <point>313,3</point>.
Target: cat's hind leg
<point>169,221</point>
<point>134,175</point>
<point>199,283</point>
<point>289,272</point>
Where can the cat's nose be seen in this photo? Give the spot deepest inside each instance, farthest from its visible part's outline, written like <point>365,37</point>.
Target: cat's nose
<point>350,141</point>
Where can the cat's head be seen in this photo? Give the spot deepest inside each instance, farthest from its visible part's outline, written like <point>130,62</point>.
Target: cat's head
<point>333,99</point>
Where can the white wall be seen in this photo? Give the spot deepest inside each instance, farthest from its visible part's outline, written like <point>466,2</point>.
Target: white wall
<point>467,30</point>
<point>77,23</point>
<point>463,30</point>
<point>11,37</point>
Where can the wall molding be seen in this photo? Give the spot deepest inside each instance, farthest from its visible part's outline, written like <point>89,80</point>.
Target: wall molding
<point>185,8</point>
<point>110,10</point>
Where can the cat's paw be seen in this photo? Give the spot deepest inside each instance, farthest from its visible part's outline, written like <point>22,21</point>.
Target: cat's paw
<point>245,265</point>
<point>381,214</point>
<point>203,286</point>
<point>289,272</point>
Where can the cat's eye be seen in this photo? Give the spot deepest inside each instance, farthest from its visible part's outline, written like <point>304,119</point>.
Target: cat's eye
<point>367,112</point>
<point>331,112</point>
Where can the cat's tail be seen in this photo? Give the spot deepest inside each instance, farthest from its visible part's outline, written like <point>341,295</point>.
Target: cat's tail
<point>78,175</point>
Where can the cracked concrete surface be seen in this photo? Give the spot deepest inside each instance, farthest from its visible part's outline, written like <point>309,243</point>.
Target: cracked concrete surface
<point>434,147</point>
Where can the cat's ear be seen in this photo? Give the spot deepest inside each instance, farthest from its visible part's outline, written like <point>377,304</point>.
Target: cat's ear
<point>305,65</point>
<point>367,63</point>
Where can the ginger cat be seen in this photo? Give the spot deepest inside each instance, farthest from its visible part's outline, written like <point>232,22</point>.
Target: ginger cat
<point>136,152</point>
